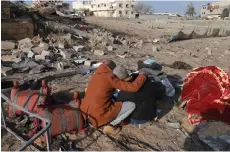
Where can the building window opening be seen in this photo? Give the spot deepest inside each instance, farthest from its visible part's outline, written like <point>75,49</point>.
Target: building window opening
<point>120,5</point>
<point>120,12</point>
<point>132,6</point>
<point>127,5</point>
<point>126,12</point>
<point>98,5</point>
<point>210,10</point>
<point>131,12</point>
<point>104,5</point>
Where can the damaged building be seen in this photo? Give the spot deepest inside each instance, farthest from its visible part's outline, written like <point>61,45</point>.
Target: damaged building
<point>107,8</point>
<point>216,9</point>
<point>12,27</point>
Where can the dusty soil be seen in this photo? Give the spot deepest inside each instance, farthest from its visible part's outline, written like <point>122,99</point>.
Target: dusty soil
<point>195,52</point>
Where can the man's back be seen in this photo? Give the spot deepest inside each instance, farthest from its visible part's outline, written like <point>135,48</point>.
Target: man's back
<point>145,99</point>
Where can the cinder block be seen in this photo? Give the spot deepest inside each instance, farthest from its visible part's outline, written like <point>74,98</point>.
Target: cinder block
<point>12,31</point>
<point>22,31</point>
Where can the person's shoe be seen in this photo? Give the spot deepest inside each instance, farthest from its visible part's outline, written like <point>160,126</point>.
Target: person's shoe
<point>142,126</point>
<point>110,130</point>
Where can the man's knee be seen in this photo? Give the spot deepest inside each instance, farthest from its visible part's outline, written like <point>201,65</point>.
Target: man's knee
<point>130,105</point>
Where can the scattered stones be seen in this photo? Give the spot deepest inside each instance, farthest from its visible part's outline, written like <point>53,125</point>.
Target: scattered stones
<point>227,52</point>
<point>99,52</point>
<point>109,48</point>
<point>7,71</point>
<point>209,52</point>
<point>174,125</point>
<point>139,44</point>
<point>5,45</point>
<point>155,49</point>
<point>30,54</point>
<point>89,63</point>
<point>156,40</point>
<point>79,48</point>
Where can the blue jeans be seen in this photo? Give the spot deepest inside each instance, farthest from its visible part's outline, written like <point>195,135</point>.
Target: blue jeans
<point>126,109</point>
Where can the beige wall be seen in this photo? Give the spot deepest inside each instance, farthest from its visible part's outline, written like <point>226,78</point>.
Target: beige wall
<point>16,30</point>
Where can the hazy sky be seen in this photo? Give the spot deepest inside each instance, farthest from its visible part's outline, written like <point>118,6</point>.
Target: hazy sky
<point>175,6</point>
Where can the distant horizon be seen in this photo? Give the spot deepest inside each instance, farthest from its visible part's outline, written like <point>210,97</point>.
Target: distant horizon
<point>178,7</point>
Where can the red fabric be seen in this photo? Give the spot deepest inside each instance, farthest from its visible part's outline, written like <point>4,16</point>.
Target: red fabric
<point>208,91</point>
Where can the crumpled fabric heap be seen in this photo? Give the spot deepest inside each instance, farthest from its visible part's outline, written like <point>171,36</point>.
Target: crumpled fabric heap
<point>207,90</point>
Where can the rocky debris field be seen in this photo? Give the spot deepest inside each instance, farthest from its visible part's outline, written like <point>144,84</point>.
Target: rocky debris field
<point>70,55</point>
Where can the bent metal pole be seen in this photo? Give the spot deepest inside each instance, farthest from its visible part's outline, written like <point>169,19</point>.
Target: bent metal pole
<point>46,129</point>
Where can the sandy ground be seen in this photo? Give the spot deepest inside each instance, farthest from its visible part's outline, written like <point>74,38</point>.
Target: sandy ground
<point>195,52</point>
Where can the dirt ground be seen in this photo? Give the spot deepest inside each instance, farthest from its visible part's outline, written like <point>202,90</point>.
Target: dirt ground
<point>195,52</point>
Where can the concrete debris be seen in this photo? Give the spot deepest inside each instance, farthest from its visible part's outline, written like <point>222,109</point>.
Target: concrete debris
<point>89,63</point>
<point>156,40</point>
<point>65,54</point>
<point>61,46</point>
<point>25,43</point>
<point>121,56</point>
<point>109,48</point>
<point>30,54</point>
<point>80,61</point>
<point>79,48</point>
<point>6,45</point>
<point>26,50</point>
<point>227,52</point>
<point>45,53</point>
<point>155,49</point>
<point>99,52</point>
<point>209,52</point>
<point>174,125</point>
<point>8,57</point>
<point>61,66</point>
<point>37,50</point>
<point>39,57</point>
<point>139,44</point>
<point>6,71</point>
<point>45,46</point>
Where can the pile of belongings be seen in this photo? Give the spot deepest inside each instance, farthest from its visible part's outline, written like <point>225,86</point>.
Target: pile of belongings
<point>37,96</point>
<point>207,93</point>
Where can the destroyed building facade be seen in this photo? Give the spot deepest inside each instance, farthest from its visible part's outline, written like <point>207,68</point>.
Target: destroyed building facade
<point>215,8</point>
<point>108,8</point>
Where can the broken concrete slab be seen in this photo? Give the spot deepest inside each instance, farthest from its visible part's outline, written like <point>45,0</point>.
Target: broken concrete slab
<point>25,43</point>
<point>39,57</point>
<point>7,45</point>
<point>99,52</point>
<point>110,48</point>
<point>79,48</point>
<point>45,53</point>
<point>45,46</point>
<point>8,57</point>
<point>61,46</point>
<point>37,50</point>
<point>26,50</point>
<point>30,54</point>
<point>7,71</point>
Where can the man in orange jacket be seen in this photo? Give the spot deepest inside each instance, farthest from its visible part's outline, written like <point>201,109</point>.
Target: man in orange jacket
<point>97,106</point>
